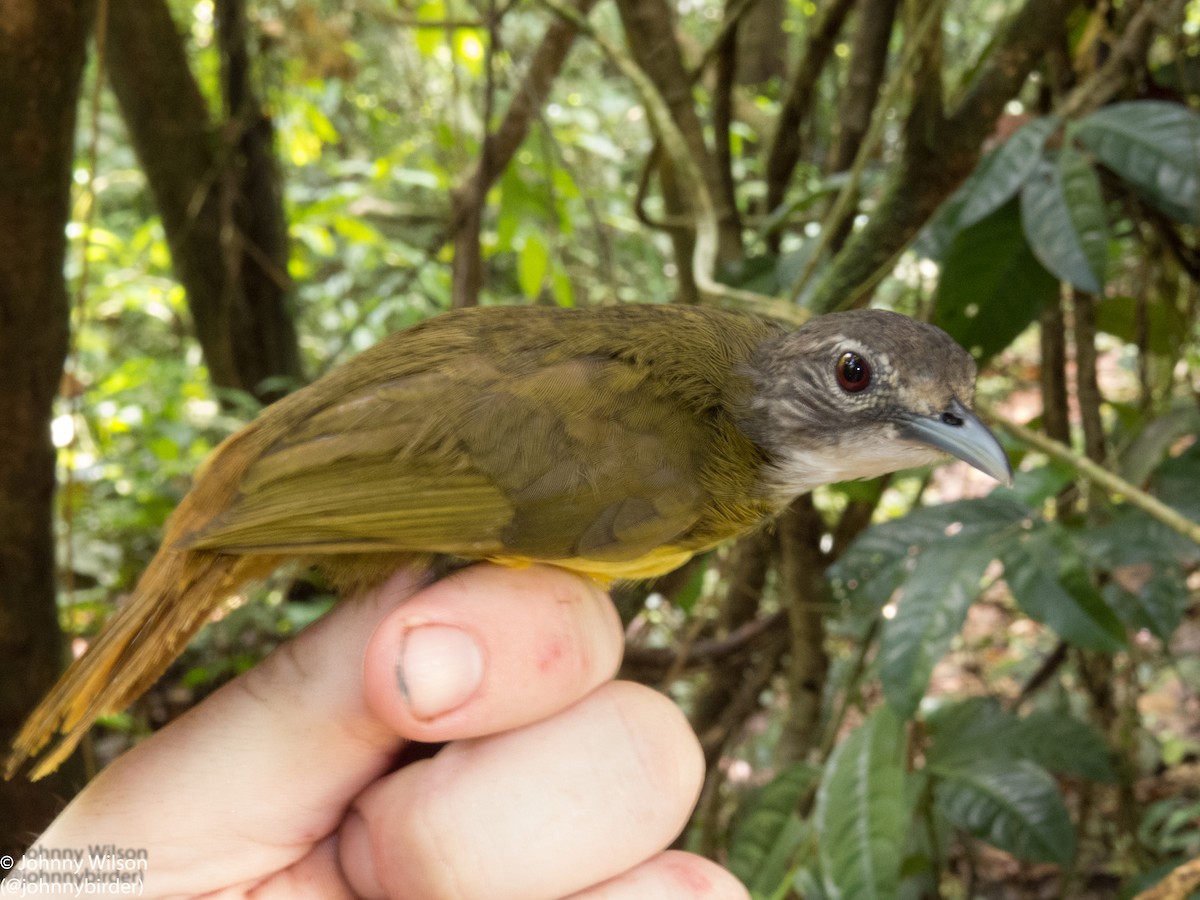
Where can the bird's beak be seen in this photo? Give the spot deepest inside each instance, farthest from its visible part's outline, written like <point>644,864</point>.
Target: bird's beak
<point>959,432</point>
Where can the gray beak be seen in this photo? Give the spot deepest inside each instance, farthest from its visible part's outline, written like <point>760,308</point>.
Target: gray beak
<point>959,432</point>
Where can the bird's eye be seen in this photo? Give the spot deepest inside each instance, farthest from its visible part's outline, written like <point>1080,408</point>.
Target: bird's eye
<point>853,373</point>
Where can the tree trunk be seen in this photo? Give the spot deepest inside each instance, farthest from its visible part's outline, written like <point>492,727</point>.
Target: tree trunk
<point>43,44</point>
<point>762,42</point>
<point>864,75</point>
<point>805,595</point>
<point>940,151</point>
<point>217,192</point>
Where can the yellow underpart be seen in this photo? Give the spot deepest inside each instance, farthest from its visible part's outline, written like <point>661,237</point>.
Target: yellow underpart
<point>661,561</point>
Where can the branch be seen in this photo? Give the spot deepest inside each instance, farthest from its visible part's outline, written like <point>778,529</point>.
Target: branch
<point>785,148</point>
<point>704,258</point>
<point>938,155</point>
<point>650,33</point>
<point>1116,486</point>
<point>499,147</point>
<point>527,101</point>
<point>843,205</point>
<point>703,653</point>
<point>864,75</point>
<point>466,273</point>
<point>1125,57</point>
<point>242,323</point>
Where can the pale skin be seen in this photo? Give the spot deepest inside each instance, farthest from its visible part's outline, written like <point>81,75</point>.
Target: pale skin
<point>557,782</point>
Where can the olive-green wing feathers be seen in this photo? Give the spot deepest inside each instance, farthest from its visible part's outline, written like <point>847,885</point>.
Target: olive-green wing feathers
<point>581,458</point>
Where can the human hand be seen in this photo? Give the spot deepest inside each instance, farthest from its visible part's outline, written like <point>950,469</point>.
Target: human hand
<point>558,781</point>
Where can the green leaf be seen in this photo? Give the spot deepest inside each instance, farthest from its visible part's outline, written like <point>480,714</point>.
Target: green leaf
<point>1012,804</point>
<point>769,831</point>
<point>875,565</point>
<point>1154,442</point>
<point>1003,171</point>
<point>931,611</point>
<point>991,286</point>
<point>1153,145</point>
<point>1064,744</point>
<point>860,817</point>
<point>1145,561</point>
<point>1127,317</point>
<point>1175,482</point>
<point>532,263</point>
<point>978,727</point>
<point>429,39</point>
<point>356,230</point>
<point>561,287</point>
<point>1062,212</point>
<point>1046,575</point>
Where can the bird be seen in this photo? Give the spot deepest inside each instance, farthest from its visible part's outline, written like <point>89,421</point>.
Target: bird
<point>614,441</point>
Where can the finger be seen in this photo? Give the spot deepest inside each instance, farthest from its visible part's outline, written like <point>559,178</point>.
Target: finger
<point>269,763</point>
<point>544,638</point>
<point>673,875</point>
<point>202,793</point>
<point>540,811</point>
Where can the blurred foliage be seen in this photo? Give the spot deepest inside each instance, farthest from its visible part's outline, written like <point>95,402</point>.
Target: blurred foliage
<point>962,702</point>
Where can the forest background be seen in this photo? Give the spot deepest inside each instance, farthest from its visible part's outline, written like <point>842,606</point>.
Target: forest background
<point>917,687</point>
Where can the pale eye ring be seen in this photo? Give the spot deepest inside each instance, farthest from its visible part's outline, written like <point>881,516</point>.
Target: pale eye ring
<point>853,372</point>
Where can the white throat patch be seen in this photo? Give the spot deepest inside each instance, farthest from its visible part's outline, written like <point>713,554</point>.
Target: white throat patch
<point>798,471</point>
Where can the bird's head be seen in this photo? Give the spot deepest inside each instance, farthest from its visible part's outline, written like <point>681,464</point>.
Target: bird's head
<point>861,393</point>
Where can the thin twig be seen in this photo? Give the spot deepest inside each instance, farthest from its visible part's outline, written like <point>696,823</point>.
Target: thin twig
<point>1116,486</point>
<point>703,653</point>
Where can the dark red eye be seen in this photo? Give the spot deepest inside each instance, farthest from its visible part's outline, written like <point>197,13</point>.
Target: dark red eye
<point>853,373</point>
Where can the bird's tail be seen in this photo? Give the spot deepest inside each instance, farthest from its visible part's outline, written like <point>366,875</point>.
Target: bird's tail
<point>174,598</point>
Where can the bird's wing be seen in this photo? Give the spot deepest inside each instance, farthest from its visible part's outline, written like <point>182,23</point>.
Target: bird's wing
<point>582,458</point>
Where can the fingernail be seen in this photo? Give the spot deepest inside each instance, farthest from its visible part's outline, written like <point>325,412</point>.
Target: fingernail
<point>440,668</point>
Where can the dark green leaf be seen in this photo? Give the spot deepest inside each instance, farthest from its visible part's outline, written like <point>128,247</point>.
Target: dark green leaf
<point>991,286</point>
<point>871,569</point>
<point>1153,444</point>
<point>936,237</point>
<point>1033,487</point>
<point>931,611</point>
<point>1012,804</point>
<point>993,183</point>
<point>1062,212</point>
<point>1127,317</point>
<point>1175,482</point>
<point>1046,575</point>
<point>860,817</point>
<point>1003,171</point>
<point>1064,744</point>
<point>978,727</point>
<point>1145,561</point>
<point>967,728</point>
<point>1132,536</point>
<point>1153,145</point>
<point>769,830</point>
<point>1145,598</point>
